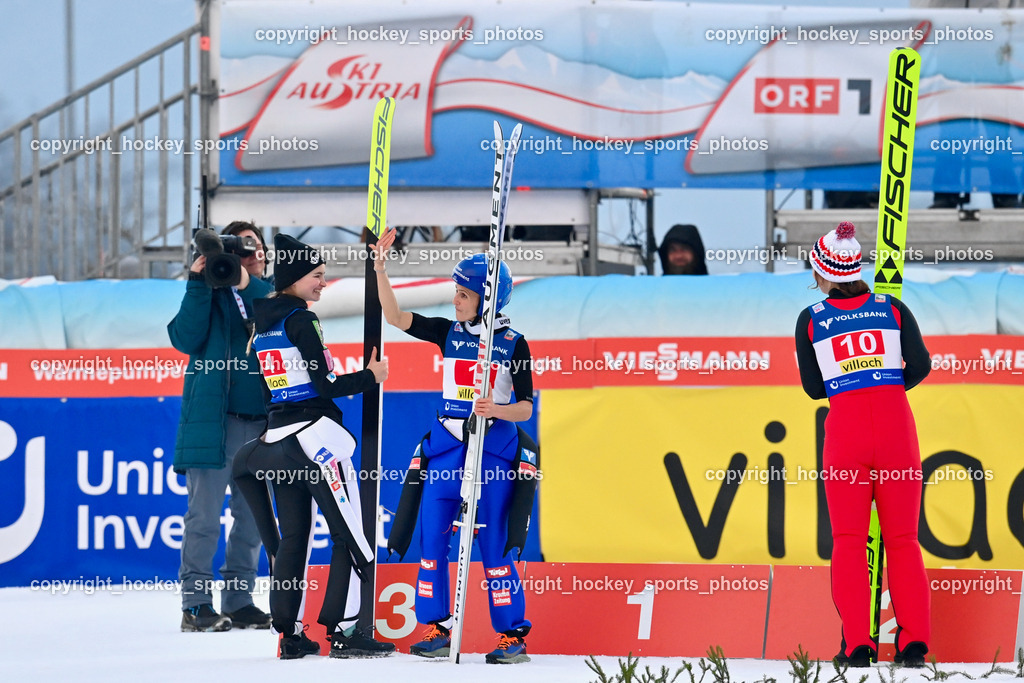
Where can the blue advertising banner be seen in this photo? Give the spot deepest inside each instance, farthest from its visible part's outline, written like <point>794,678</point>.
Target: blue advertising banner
<point>87,491</point>
<point>643,94</point>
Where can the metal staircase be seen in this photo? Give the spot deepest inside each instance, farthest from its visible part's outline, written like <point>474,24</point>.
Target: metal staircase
<point>78,179</point>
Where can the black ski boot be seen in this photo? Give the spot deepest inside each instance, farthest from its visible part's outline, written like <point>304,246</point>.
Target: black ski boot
<point>358,645</point>
<point>205,619</point>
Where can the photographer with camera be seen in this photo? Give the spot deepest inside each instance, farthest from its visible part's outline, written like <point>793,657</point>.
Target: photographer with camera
<point>221,409</point>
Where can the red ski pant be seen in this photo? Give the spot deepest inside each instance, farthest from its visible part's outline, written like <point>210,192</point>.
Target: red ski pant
<point>871,452</point>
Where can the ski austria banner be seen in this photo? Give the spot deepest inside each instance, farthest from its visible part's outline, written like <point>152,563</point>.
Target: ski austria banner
<point>649,94</point>
<point>734,475</point>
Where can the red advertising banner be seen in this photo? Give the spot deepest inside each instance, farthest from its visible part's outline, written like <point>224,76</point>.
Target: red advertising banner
<point>557,364</point>
<point>974,614</point>
<point>681,610</point>
<point>645,609</point>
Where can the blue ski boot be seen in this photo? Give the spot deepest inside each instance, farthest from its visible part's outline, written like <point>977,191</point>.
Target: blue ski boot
<point>437,641</point>
<point>511,649</point>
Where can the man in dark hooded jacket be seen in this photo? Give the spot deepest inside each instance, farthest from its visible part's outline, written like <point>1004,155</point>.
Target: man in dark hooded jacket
<point>682,251</point>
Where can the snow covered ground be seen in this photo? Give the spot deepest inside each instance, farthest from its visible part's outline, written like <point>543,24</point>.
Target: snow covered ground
<point>116,635</point>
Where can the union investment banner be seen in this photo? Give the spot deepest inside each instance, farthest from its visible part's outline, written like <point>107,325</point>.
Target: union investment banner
<point>651,94</point>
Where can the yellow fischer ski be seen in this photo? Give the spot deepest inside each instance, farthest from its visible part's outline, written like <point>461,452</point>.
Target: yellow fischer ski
<point>891,243</point>
<point>373,330</point>
<point>380,165</point>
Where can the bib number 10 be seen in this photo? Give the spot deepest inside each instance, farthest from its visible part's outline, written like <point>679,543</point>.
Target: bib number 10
<point>867,343</point>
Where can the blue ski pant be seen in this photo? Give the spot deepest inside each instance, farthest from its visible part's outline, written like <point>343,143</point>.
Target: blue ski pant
<point>439,508</point>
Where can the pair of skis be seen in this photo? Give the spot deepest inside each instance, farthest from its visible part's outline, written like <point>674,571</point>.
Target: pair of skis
<point>471,483</point>
<point>891,242</point>
<point>376,223</point>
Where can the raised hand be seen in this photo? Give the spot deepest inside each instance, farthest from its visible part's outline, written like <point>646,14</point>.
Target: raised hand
<point>381,249</point>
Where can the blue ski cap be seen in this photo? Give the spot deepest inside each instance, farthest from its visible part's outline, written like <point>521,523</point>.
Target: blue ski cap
<point>471,273</point>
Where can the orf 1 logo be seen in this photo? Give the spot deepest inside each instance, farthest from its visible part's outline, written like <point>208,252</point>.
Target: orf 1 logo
<point>796,96</point>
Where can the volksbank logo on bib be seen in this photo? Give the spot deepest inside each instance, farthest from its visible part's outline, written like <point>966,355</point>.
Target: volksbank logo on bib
<point>855,364</point>
<point>852,316</point>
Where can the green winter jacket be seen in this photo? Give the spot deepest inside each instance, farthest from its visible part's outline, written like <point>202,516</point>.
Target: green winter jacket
<point>220,378</point>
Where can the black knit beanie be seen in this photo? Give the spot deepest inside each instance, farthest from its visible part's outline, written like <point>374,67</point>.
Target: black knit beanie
<point>293,261</point>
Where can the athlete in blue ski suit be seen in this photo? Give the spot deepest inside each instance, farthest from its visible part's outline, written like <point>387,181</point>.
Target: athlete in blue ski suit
<point>509,467</point>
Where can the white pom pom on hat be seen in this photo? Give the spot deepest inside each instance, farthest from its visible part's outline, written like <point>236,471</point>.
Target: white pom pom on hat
<point>836,256</point>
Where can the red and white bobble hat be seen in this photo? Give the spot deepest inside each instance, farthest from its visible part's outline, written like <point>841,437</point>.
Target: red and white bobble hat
<point>836,256</point>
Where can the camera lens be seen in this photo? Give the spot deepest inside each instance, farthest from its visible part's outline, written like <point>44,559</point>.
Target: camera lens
<point>223,270</point>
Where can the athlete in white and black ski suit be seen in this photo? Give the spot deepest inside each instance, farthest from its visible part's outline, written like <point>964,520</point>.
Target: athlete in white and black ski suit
<point>306,454</point>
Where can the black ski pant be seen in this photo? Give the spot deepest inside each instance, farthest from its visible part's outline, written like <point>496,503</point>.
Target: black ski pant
<point>297,484</point>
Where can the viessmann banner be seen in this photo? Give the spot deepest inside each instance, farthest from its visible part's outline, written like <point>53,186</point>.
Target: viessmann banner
<point>653,94</point>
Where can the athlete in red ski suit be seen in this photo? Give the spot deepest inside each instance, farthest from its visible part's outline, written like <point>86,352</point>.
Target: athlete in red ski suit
<point>852,348</point>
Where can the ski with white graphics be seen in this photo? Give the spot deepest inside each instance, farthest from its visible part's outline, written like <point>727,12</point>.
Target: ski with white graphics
<point>504,157</point>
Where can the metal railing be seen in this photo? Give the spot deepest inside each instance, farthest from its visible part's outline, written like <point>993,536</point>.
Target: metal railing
<point>79,179</point>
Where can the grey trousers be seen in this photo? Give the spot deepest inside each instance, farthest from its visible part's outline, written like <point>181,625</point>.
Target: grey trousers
<point>206,489</point>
